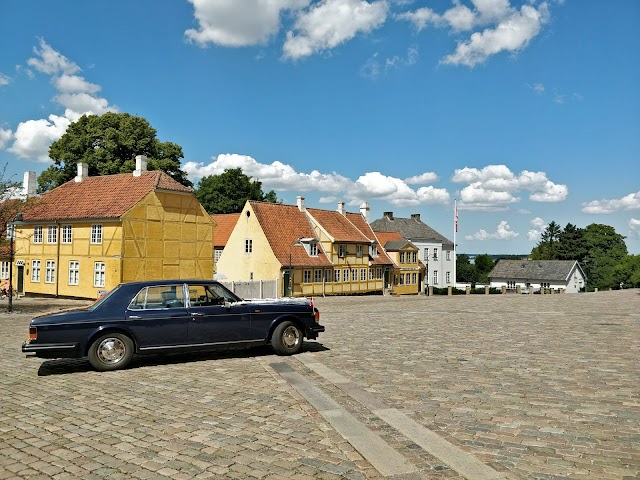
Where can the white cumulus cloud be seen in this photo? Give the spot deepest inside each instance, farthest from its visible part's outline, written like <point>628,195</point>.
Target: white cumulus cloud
<point>5,136</point>
<point>427,177</point>
<point>634,225</point>
<point>494,187</point>
<point>282,177</point>
<point>32,138</point>
<point>4,80</point>
<point>329,23</point>
<point>503,232</point>
<point>628,202</point>
<point>234,23</point>
<point>420,18</point>
<point>538,226</point>
<point>512,34</point>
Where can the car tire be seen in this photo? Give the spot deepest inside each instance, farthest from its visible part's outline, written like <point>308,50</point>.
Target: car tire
<point>287,339</point>
<point>112,351</point>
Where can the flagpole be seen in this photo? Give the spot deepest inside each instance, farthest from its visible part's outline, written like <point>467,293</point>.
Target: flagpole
<point>455,232</point>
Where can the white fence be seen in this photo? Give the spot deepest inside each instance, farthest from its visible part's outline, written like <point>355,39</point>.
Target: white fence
<point>254,289</point>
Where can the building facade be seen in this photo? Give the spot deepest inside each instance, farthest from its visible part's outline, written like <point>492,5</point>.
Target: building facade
<point>536,275</point>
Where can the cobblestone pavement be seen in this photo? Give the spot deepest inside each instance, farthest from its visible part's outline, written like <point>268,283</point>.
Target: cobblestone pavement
<point>533,386</point>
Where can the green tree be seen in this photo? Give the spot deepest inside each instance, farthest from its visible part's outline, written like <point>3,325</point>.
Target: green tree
<point>571,244</point>
<point>109,144</point>
<point>229,191</point>
<point>484,265</point>
<point>627,272</point>
<point>465,270</point>
<point>548,244</point>
<point>606,249</point>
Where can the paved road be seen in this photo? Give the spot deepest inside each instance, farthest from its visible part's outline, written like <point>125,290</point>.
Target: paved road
<point>477,387</point>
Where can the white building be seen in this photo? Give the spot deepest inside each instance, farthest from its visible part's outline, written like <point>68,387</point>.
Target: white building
<point>537,274</point>
<point>434,250</point>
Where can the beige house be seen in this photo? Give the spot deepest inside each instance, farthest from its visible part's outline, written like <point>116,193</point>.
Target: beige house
<point>92,233</point>
<point>309,251</point>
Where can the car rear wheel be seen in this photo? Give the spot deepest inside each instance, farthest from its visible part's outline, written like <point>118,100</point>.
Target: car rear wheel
<point>111,352</point>
<point>286,339</point>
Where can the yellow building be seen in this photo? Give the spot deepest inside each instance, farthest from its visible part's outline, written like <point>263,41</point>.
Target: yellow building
<point>408,270</point>
<point>310,252</point>
<point>93,233</point>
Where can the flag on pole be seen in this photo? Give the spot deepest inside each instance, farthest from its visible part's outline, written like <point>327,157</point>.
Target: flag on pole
<point>455,214</point>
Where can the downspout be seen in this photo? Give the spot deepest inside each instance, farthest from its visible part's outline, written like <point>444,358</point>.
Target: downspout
<point>58,234</point>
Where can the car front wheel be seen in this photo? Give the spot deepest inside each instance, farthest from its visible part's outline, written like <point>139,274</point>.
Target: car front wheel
<point>286,339</point>
<point>111,352</point>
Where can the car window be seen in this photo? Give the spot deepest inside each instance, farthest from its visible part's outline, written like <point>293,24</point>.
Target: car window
<point>161,296</point>
<point>207,295</point>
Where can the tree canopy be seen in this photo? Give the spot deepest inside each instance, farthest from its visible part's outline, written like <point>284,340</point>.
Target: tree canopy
<point>229,191</point>
<point>109,144</point>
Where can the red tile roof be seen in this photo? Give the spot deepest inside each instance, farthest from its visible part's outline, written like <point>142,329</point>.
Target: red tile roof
<point>338,226</point>
<point>106,196</point>
<point>358,221</point>
<point>283,225</point>
<point>385,237</point>
<point>224,226</point>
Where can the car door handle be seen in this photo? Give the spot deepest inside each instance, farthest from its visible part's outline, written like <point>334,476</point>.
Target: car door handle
<point>135,316</point>
<point>197,314</point>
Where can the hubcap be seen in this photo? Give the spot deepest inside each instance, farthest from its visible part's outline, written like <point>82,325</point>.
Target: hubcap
<point>111,350</point>
<point>291,337</point>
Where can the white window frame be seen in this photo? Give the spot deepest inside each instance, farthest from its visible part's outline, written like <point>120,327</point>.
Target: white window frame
<point>4,270</point>
<point>74,272</point>
<point>37,234</point>
<point>435,253</point>
<point>435,277</point>
<point>313,249</point>
<point>96,234</point>
<point>448,254</point>
<point>345,275</point>
<point>327,275</point>
<point>425,253</point>
<point>50,271</point>
<point>99,274</point>
<point>248,245</point>
<point>317,276</point>
<point>359,251</point>
<point>35,271</point>
<point>363,274</point>
<point>414,257</point>
<point>379,273</point>
<point>401,257</point>
<point>342,250</point>
<point>306,276</point>
<point>67,234</point>
<point>52,234</point>
<point>414,278</point>
<point>217,253</point>
<point>336,275</point>
<point>448,277</point>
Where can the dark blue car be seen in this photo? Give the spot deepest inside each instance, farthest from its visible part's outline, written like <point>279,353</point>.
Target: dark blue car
<point>170,316</point>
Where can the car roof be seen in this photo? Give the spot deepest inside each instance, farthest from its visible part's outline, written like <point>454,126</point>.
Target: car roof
<point>151,283</point>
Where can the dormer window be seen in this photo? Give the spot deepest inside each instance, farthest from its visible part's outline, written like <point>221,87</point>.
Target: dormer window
<point>310,246</point>
<point>373,250</point>
<point>358,250</point>
<point>313,249</point>
<point>342,250</point>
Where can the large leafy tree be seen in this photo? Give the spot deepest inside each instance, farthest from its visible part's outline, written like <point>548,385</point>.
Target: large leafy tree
<point>571,244</point>
<point>548,244</point>
<point>484,265</point>
<point>109,144</point>
<point>606,249</point>
<point>229,191</point>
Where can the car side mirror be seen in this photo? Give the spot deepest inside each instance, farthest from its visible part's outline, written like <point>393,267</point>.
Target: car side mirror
<point>227,304</point>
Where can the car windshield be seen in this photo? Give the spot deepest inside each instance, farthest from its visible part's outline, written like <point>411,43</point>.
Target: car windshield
<point>103,299</point>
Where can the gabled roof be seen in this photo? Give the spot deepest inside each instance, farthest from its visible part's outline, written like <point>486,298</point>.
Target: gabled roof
<point>283,225</point>
<point>412,229</point>
<point>391,241</point>
<point>338,226</point>
<point>359,222</point>
<point>558,270</point>
<point>225,222</point>
<point>105,196</point>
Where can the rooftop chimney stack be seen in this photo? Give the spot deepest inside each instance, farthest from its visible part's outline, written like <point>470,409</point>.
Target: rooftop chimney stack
<point>29,184</point>
<point>388,215</point>
<point>341,208</point>
<point>83,172</point>
<point>415,216</point>
<point>141,165</point>
<point>301,205</point>
<point>364,211</point>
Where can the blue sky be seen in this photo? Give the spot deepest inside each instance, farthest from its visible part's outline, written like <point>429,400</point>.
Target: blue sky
<point>525,112</point>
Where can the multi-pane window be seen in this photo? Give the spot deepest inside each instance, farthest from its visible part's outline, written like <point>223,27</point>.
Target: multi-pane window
<point>37,234</point>
<point>336,275</point>
<point>248,246</point>
<point>448,254</point>
<point>435,277</point>
<point>414,278</point>
<point>96,233</point>
<point>363,274</point>
<point>354,274</point>
<point>402,279</point>
<point>345,275</point>
<point>99,274</point>
<point>217,254</point>
<point>50,271</point>
<point>342,250</point>
<point>306,276</point>
<point>4,272</point>
<point>66,234</point>
<point>74,272</point>
<point>52,234</point>
<point>358,250</point>
<point>414,257</point>
<point>448,277</point>
<point>313,249</point>
<point>372,273</point>
<point>35,270</point>
<point>327,276</point>
<point>395,279</point>
<point>435,253</point>
<point>426,254</point>
<point>317,276</point>
<point>401,257</point>
<point>379,273</point>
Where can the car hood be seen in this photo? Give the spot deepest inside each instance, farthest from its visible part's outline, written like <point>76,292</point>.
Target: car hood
<point>64,316</point>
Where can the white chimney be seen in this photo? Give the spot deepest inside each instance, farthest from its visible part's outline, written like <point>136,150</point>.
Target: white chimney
<point>341,208</point>
<point>29,184</point>
<point>141,165</point>
<point>83,172</point>
<point>364,211</point>
<point>301,205</point>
